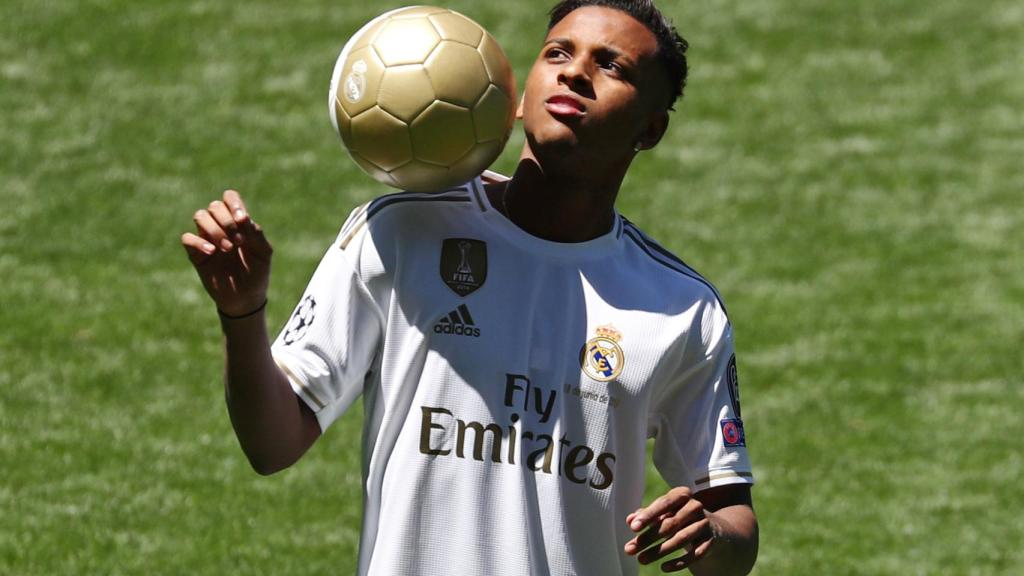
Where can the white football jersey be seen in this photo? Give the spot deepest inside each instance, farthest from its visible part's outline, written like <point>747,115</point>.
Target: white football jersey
<point>510,384</point>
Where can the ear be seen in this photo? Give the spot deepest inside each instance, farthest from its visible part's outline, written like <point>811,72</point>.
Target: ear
<point>655,129</point>
<point>519,108</point>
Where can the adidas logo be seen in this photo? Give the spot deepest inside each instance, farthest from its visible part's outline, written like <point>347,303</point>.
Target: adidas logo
<point>458,321</point>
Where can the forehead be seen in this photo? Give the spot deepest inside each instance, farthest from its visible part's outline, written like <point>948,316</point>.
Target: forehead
<point>609,28</point>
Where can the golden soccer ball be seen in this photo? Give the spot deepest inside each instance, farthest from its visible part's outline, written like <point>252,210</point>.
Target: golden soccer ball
<point>423,98</point>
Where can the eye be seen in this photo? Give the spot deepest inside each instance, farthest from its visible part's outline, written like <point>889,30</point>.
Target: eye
<point>555,54</point>
<point>612,66</point>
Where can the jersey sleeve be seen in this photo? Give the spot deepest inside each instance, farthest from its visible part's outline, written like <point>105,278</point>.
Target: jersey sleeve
<point>330,343</point>
<point>699,440</point>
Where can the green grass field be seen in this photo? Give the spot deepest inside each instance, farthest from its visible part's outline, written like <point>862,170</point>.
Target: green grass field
<point>849,174</point>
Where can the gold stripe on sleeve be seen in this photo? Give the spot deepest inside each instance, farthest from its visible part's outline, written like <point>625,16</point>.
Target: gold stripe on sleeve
<point>354,225</point>
<point>355,229</point>
<point>309,392</point>
<point>720,475</point>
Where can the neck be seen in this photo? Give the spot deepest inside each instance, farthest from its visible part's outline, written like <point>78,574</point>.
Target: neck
<point>559,203</point>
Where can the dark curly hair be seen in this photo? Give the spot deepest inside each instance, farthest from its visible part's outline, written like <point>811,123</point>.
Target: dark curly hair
<point>671,46</point>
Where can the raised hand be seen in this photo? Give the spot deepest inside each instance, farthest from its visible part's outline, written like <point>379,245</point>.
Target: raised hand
<point>231,255</point>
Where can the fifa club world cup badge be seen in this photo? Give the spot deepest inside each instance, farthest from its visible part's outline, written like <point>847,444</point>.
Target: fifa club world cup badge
<point>463,264</point>
<point>601,357</point>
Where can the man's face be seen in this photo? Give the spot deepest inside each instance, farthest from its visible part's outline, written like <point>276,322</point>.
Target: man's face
<point>595,87</point>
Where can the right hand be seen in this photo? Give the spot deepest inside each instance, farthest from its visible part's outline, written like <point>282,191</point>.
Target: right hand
<point>230,254</point>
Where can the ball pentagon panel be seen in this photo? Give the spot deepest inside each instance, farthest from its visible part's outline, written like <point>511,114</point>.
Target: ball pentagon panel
<point>406,41</point>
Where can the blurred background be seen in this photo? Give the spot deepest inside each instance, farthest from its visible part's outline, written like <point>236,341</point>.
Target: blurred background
<point>848,174</point>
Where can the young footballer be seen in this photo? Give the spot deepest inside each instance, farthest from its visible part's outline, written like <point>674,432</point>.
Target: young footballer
<point>515,341</point>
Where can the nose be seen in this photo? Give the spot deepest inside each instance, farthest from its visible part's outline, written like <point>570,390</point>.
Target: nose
<point>574,75</point>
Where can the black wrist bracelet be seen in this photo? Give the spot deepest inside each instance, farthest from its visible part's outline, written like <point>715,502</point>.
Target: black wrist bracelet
<point>246,315</point>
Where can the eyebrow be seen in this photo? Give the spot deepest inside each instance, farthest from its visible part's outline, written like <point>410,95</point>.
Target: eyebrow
<point>602,50</point>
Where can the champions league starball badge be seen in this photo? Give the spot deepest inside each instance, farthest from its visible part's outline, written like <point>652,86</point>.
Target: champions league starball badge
<point>301,320</point>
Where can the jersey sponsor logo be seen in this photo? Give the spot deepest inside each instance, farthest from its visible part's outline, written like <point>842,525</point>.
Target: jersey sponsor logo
<point>732,433</point>
<point>459,322</point>
<point>527,438</point>
<point>463,264</point>
<point>601,358</point>
<point>301,320</point>
<point>733,380</point>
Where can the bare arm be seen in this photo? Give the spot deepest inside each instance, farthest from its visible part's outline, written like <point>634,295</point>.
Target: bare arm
<point>716,527</point>
<point>273,425</point>
<point>232,257</point>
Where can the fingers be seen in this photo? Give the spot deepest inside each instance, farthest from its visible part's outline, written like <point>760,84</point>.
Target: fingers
<point>666,504</point>
<point>684,561</point>
<point>226,224</point>
<point>693,531</point>
<point>666,527</point>
<point>198,249</point>
<point>676,521</point>
<point>631,515</point>
<point>211,230</point>
<point>233,201</point>
<point>219,211</point>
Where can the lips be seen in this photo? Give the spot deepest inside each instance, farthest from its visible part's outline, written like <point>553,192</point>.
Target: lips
<point>563,105</point>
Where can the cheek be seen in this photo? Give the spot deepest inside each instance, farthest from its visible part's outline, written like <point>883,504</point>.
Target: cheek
<point>532,88</point>
<point>624,109</point>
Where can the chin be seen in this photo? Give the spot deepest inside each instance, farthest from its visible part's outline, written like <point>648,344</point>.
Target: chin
<point>554,151</point>
<point>553,136</point>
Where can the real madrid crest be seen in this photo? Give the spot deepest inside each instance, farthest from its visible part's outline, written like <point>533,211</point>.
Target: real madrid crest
<point>601,357</point>
<point>463,264</point>
<point>355,82</point>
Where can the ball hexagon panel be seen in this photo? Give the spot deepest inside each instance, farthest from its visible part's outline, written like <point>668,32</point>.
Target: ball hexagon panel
<point>478,158</point>
<point>493,115</point>
<point>405,91</point>
<point>498,68</point>
<point>417,11</point>
<point>457,28</point>
<point>344,123</point>
<point>406,41</point>
<point>443,133</point>
<point>360,81</point>
<point>457,73</point>
<point>367,36</point>
<point>411,176</point>
<point>381,138</point>
<point>373,170</point>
